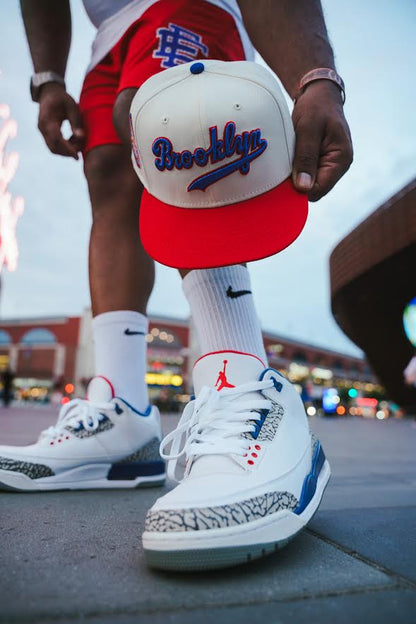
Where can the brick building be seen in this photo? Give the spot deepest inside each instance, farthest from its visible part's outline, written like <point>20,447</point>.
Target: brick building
<point>50,353</point>
<point>40,352</point>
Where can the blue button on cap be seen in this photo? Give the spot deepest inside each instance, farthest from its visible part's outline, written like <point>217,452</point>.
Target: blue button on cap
<point>197,68</point>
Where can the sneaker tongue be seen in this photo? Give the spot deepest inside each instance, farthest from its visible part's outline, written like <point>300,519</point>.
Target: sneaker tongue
<point>226,369</point>
<point>223,369</point>
<point>100,390</point>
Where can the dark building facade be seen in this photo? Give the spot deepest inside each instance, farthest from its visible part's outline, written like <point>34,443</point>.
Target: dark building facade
<point>372,272</point>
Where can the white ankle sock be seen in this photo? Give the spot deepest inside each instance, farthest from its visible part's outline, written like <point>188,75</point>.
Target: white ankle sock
<point>120,354</point>
<point>223,311</point>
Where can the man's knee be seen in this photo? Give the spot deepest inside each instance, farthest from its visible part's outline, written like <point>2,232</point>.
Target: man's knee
<point>121,111</point>
<point>105,162</point>
<point>111,178</point>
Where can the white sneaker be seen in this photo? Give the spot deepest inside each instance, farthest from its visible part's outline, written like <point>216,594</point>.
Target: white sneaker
<point>254,474</point>
<point>101,442</point>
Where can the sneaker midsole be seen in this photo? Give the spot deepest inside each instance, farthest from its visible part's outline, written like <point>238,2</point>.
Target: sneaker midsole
<point>276,527</point>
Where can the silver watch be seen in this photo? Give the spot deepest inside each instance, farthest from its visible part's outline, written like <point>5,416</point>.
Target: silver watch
<point>41,78</point>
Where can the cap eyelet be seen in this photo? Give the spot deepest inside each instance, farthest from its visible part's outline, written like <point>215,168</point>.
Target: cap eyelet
<point>237,106</point>
<point>165,119</point>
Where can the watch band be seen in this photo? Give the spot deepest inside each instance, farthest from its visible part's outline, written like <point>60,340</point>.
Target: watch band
<point>39,79</point>
<point>321,73</point>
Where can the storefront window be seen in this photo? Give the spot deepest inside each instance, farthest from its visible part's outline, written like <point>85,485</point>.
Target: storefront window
<point>38,336</point>
<point>5,337</point>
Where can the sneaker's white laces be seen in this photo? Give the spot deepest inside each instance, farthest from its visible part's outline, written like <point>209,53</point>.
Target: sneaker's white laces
<point>78,412</point>
<point>214,422</point>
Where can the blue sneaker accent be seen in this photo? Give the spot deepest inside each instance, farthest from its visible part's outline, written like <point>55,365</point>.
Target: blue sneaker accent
<point>309,484</point>
<point>277,384</point>
<point>146,413</point>
<point>258,424</point>
<point>132,470</point>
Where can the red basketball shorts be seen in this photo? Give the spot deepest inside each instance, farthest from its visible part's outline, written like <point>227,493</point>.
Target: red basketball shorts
<point>168,33</point>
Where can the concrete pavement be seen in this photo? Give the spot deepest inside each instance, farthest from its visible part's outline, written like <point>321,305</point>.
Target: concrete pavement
<point>74,557</point>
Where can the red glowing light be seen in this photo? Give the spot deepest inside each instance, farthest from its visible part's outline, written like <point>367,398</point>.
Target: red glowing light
<point>69,388</point>
<point>65,400</point>
<point>366,402</point>
<point>10,208</point>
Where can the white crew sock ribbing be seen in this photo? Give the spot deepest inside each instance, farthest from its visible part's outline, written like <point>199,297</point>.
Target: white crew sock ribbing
<point>120,354</point>
<point>223,311</point>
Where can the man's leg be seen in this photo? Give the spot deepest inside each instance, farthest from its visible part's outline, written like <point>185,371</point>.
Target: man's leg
<point>121,273</point>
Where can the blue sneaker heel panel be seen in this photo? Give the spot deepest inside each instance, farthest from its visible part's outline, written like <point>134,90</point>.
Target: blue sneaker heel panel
<point>132,470</point>
<point>309,484</point>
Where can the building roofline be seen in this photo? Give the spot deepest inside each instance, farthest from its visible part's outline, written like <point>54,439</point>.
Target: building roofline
<point>374,215</point>
<point>309,345</point>
<point>155,318</point>
<point>47,320</point>
<point>397,196</point>
<point>183,322</point>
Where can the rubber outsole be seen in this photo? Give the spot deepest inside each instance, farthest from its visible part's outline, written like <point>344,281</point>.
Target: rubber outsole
<point>180,556</point>
<point>210,559</point>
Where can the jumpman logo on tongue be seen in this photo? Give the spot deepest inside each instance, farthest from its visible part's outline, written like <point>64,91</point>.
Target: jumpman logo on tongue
<point>222,381</point>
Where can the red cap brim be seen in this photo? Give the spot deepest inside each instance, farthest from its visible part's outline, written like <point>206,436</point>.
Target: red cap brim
<point>202,238</point>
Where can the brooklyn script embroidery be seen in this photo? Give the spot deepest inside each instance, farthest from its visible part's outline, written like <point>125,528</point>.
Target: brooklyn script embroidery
<point>248,145</point>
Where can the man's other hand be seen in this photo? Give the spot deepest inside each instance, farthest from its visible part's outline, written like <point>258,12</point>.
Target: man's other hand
<point>323,151</point>
<point>55,107</point>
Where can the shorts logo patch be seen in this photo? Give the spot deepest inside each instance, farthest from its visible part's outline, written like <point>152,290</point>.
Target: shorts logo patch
<point>178,45</point>
<point>248,146</point>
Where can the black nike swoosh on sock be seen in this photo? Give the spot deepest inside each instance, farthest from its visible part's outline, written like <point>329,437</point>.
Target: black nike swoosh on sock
<point>237,293</point>
<point>129,332</point>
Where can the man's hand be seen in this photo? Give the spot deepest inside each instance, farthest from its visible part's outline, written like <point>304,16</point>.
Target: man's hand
<point>56,106</point>
<point>292,39</point>
<point>323,151</point>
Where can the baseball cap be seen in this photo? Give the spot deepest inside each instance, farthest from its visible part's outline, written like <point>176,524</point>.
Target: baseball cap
<point>213,145</point>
